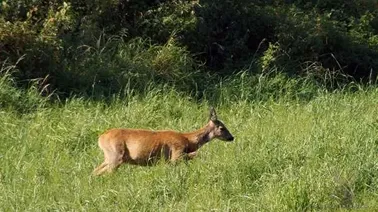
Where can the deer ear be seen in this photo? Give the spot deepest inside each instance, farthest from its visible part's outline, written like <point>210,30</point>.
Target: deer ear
<point>213,114</point>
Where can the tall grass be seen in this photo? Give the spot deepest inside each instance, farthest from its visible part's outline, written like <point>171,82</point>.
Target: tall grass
<point>289,154</point>
<point>14,98</point>
<point>111,66</point>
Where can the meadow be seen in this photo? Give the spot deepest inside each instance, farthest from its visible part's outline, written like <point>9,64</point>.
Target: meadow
<point>319,154</point>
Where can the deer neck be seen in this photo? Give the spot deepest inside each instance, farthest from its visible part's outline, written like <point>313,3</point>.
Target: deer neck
<point>199,137</point>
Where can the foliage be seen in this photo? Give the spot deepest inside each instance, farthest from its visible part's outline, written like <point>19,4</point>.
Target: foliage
<point>173,18</point>
<point>228,33</point>
<point>77,45</point>
<point>336,45</point>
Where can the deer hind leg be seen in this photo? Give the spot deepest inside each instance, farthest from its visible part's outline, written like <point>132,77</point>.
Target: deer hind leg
<point>100,169</point>
<point>114,157</point>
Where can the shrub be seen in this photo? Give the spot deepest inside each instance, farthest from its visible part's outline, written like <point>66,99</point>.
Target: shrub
<point>337,46</point>
<point>228,33</point>
<point>101,47</point>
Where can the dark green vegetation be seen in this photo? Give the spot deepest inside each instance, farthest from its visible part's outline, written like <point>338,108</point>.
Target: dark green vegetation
<point>100,48</point>
<point>294,81</point>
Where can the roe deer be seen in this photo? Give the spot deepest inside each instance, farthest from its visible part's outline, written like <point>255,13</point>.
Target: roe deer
<point>139,146</point>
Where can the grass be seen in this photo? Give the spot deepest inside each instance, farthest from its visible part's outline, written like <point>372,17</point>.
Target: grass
<point>290,155</point>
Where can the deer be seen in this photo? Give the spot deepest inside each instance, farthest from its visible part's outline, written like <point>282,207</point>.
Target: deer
<point>143,147</point>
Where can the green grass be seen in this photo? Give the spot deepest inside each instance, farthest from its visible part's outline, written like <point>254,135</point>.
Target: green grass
<point>288,155</point>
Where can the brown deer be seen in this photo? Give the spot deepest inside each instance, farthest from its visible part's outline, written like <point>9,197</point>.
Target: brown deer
<point>141,147</point>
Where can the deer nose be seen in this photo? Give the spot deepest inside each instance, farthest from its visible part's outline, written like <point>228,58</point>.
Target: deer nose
<point>230,139</point>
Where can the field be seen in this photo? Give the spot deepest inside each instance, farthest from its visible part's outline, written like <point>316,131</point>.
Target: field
<point>295,82</point>
<point>288,155</point>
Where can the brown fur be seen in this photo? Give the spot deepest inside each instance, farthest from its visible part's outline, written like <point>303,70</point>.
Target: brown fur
<point>139,146</point>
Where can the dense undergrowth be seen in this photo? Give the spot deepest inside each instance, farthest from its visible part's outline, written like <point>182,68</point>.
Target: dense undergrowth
<point>99,48</point>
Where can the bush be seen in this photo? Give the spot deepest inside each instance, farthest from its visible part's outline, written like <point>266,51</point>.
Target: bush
<point>39,43</point>
<point>171,18</point>
<point>101,47</point>
<point>229,33</point>
<point>337,46</point>
<point>70,45</point>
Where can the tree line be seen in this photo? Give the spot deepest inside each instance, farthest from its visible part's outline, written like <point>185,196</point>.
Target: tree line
<point>103,46</point>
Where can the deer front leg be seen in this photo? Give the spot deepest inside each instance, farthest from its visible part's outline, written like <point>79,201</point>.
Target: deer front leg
<point>191,155</point>
<point>176,154</point>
